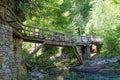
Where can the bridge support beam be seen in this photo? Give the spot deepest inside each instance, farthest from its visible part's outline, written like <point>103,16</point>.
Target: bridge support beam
<point>85,52</point>
<point>99,46</point>
<point>77,54</point>
<point>17,42</point>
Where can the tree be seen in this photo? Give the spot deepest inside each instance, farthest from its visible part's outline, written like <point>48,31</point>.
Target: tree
<point>80,14</point>
<point>105,23</point>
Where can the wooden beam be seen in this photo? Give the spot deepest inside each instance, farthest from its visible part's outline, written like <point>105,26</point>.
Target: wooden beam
<point>31,55</point>
<point>78,56</point>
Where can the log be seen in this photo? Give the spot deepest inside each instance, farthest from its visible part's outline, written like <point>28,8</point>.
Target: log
<point>31,55</point>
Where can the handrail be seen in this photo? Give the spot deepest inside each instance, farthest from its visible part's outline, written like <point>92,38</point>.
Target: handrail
<point>42,33</point>
<point>24,28</point>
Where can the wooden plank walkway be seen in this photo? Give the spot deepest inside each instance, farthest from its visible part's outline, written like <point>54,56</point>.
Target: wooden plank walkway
<point>40,35</point>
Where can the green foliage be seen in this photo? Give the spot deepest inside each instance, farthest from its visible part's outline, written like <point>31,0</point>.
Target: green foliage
<point>41,63</point>
<point>57,15</point>
<point>105,22</point>
<point>48,14</point>
<point>116,65</point>
<point>113,66</point>
<point>25,49</point>
<point>68,51</point>
<point>49,50</point>
<point>67,16</point>
<point>80,14</point>
<point>111,43</point>
<point>94,17</point>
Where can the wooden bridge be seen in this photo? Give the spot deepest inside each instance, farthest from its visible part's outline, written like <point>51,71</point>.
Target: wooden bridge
<point>42,35</point>
<point>33,34</point>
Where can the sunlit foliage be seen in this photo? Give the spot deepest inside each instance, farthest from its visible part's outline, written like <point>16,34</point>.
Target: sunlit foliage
<point>105,22</point>
<point>60,15</point>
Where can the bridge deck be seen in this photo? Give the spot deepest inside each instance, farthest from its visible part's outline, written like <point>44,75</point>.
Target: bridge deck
<point>33,34</point>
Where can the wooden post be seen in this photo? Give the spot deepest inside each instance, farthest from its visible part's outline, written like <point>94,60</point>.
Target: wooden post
<point>99,46</point>
<point>78,56</point>
<point>85,52</point>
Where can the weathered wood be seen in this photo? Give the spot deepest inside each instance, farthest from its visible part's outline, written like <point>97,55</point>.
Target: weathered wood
<point>79,58</point>
<point>79,54</point>
<point>29,33</point>
<point>31,55</point>
<point>85,52</point>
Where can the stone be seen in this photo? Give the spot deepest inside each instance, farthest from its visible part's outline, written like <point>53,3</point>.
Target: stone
<point>37,74</point>
<point>2,37</point>
<point>2,49</point>
<point>102,61</point>
<point>86,64</point>
<point>6,52</point>
<point>7,71</point>
<point>4,66</point>
<point>1,43</point>
<point>1,31</point>
<point>1,71</point>
<point>10,67</point>
<point>2,59</point>
<point>112,60</point>
<point>14,70</point>
<point>7,78</point>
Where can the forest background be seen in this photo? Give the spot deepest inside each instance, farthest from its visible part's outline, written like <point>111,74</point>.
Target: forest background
<point>79,17</point>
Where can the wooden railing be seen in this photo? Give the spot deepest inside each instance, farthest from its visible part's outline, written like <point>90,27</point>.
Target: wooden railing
<point>7,16</point>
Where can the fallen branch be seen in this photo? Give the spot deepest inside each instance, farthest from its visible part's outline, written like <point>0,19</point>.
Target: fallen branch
<point>31,55</point>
